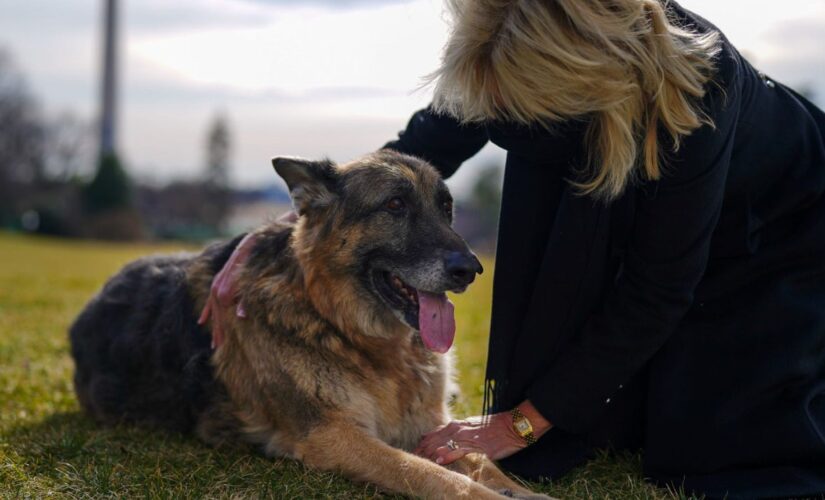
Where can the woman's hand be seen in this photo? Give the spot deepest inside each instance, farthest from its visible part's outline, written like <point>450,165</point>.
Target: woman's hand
<point>223,295</point>
<point>492,435</point>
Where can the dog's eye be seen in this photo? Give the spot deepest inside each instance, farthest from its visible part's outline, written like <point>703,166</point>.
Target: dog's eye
<point>448,208</point>
<point>395,205</point>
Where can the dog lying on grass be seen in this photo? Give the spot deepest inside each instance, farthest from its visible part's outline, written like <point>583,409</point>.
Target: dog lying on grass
<point>339,362</point>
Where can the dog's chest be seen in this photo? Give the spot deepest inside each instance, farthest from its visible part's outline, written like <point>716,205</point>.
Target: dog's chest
<point>413,404</point>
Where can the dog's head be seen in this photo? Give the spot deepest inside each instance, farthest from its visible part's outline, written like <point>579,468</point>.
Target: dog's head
<point>376,244</point>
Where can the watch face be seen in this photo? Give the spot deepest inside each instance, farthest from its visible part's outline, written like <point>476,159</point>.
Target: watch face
<point>523,426</point>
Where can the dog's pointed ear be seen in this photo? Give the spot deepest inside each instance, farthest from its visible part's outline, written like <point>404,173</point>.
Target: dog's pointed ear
<point>312,184</point>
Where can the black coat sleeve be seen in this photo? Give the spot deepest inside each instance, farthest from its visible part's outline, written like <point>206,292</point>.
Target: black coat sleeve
<point>666,257</point>
<point>440,139</point>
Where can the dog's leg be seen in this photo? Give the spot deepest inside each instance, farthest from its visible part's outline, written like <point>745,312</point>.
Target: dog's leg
<point>345,448</point>
<point>481,469</point>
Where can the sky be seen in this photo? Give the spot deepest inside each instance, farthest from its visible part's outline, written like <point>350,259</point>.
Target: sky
<point>310,78</point>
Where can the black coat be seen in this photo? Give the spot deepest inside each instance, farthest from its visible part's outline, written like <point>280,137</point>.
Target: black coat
<point>687,317</point>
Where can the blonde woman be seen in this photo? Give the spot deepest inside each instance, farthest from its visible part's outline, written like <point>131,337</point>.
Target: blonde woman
<point>660,272</point>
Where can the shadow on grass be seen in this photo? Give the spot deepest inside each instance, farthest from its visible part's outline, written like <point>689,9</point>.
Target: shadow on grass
<point>69,454</point>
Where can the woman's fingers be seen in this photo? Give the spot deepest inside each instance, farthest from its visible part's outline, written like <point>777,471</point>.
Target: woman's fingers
<point>442,446</point>
<point>446,455</point>
<point>437,437</point>
<point>448,443</point>
<point>427,450</point>
<point>433,437</point>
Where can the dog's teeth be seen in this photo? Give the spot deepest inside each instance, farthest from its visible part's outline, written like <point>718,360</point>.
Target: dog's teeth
<point>406,291</point>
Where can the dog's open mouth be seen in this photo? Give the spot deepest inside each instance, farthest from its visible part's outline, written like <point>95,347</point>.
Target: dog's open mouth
<point>432,314</point>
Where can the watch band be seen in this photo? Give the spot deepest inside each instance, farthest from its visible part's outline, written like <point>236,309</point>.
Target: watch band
<point>528,436</point>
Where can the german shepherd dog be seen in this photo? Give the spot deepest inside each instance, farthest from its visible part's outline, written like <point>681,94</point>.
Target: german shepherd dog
<point>339,362</point>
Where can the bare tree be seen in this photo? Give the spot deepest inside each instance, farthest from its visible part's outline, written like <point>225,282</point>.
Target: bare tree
<point>218,152</point>
<point>22,134</point>
<point>216,185</point>
<point>69,148</point>
<point>21,141</point>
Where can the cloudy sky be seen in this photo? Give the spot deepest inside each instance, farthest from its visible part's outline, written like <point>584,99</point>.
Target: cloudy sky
<point>302,77</point>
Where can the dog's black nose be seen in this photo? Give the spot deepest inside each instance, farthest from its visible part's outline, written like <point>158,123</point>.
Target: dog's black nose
<point>462,267</point>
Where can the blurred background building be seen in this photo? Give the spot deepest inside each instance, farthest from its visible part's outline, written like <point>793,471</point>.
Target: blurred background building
<point>202,93</point>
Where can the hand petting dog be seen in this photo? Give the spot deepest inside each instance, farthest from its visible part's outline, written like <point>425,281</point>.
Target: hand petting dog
<point>492,435</point>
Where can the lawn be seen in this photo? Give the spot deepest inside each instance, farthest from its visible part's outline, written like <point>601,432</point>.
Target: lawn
<point>49,448</point>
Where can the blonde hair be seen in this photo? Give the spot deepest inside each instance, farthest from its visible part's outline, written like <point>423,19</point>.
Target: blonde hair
<point>619,63</point>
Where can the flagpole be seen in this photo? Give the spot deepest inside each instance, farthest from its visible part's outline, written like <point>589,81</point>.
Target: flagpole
<point>108,117</point>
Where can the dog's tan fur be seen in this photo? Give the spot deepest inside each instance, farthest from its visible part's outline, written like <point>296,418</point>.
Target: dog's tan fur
<point>325,373</point>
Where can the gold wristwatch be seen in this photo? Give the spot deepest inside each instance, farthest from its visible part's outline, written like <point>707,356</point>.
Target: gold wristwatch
<point>522,426</point>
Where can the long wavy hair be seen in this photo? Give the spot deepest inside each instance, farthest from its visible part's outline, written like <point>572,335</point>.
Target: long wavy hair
<point>620,64</point>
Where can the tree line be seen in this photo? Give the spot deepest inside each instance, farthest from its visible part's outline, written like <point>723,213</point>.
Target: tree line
<point>53,181</point>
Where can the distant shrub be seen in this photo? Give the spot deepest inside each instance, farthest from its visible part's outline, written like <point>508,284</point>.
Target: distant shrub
<point>110,189</point>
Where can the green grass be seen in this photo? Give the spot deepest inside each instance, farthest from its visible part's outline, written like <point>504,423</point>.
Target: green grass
<point>49,448</point>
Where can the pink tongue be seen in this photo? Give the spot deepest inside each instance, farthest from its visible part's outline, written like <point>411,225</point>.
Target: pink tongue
<point>436,321</point>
